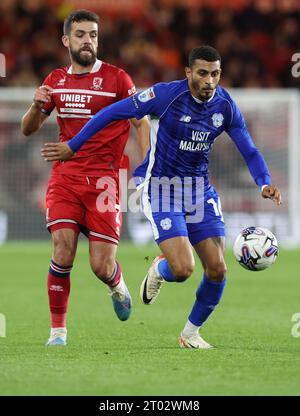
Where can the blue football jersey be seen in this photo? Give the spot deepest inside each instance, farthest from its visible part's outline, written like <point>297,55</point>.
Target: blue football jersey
<point>183,130</point>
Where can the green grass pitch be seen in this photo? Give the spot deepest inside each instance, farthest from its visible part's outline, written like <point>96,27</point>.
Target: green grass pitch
<point>255,355</point>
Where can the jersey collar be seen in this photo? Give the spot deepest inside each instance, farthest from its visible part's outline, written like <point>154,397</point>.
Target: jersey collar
<point>96,67</point>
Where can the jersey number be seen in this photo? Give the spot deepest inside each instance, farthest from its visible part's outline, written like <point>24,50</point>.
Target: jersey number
<point>217,207</point>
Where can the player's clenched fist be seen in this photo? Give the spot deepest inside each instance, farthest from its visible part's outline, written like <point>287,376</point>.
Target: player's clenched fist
<point>42,95</point>
<point>273,193</point>
<point>56,151</point>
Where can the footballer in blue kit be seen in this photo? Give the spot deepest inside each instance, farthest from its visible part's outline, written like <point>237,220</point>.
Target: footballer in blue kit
<point>183,208</point>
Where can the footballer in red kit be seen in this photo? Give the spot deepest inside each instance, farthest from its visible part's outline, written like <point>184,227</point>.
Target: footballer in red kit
<point>78,92</point>
<point>104,85</point>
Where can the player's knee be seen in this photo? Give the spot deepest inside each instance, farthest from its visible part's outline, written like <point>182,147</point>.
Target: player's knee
<point>216,272</point>
<point>182,271</point>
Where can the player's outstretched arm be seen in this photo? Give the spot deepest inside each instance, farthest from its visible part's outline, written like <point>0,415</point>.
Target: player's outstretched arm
<point>121,110</point>
<point>271,192</point>
<point>34,118</point>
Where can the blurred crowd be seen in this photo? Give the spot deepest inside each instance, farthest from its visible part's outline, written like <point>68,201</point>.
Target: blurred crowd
<point>256,39</point>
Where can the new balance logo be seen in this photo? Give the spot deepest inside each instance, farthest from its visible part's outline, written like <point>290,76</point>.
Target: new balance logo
<point>56,288</point>
<point>185,119</point>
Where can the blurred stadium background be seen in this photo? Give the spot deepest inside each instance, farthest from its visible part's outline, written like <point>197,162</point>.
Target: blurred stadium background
<point>151,40</point>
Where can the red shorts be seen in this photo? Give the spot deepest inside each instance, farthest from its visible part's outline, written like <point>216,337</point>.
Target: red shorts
<point>86,204</point>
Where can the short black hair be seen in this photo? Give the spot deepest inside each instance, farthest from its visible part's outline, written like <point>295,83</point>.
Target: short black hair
<point>79,16</point>
<point>205,52</point>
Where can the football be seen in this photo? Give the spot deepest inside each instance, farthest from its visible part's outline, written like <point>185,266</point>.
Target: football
<point>255,248</point>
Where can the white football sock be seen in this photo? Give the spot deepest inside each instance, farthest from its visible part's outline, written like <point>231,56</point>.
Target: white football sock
<point>190,329</point>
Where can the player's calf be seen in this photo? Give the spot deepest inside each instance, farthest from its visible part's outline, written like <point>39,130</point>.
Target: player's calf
<point>104,269</point>
<point>179,262</point>
<point>161,271</point>
<point>58,295</point>
<point>182,272</point>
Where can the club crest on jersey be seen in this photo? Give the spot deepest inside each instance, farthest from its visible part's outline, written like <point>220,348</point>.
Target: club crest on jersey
<point>146,95</point>
<point>217,119</point>
<point>166,223</point>
<point>97,82</point>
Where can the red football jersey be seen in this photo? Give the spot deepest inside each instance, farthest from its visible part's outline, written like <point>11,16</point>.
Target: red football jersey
<point>77,98</point>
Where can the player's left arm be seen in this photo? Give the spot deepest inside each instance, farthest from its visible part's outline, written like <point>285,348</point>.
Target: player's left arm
<point>252,156</point>
<point>128,108</point>
<point>142,127</point>
<point>121,110</point>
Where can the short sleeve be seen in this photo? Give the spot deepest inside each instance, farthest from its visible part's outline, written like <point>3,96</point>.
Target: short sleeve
<point>126,86</point>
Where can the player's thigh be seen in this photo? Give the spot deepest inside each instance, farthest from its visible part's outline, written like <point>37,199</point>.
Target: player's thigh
<point>171,234</point>
<point>64,246</point>
<point>211,253</point>
<point>64,208</point>
<point>102,258</point>
<point>178,252</point>
<point>211,222</point>
<point>103,217</point>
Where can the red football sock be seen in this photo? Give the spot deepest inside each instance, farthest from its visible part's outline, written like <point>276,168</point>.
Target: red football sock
<point>58,293</point>
<point>116,276</point>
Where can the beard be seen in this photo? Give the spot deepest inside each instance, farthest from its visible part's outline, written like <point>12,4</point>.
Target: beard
<point>202,93</point>
<point>83,60</point>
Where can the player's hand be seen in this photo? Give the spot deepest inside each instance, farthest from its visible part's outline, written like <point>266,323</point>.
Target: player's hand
<point>272,192</point>
<point>56,151</point>
<point>42,95</point>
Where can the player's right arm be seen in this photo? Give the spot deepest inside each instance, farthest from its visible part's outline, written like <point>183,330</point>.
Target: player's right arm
<point>135,106</point>
<point>34,118</point>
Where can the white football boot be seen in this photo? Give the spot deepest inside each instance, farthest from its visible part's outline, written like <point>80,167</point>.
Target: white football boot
<point>151,285</point>
<point>193,341</point>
